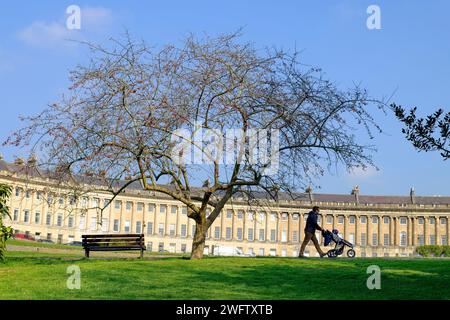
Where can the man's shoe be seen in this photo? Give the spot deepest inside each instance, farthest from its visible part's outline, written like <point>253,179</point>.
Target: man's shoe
<point>301,257</point>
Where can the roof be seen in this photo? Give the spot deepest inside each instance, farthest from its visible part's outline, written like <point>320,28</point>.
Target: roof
<point>34,172</point>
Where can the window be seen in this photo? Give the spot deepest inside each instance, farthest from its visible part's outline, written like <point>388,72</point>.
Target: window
<point>217,233</point>
<point>59,220</point>
<point>38,195</point>
<point>250,215</point>
<point>116,225</point>
<point>82,224</point>
<point>127,226</point>
<point>26,216</point>
<point>106,203</point>
<point>363,219</point>
<point>70,222</point>
<point>173,209</point>
<point>295,236</point>
<point>17,192</point>
<point>49,236</point>
<point>432,220</point>
<point>105,225</point>
<point>240,215</point>
<point>193,230</point>
<point>128,206</point>
<point>351,238</point>
<point>16,215</point>
<point>374,220</point>
<point>262,234</point>
<point>421,239</point>
<point>273,235</point>
<point>273,216</point>
<point>386,240</point>
<point>261,252</point>
<point>402,220</point>
<point>329,219</point>
<point>37,217</point>
<point>48,219</point>
<point>386,220</point>
<point>443,220</point>
<point>151,207</point>
<point>95,202</point>
<point>184,211</point>
<point>117,204</point>
<point>352,219</point>
<point>432,239</point>
<point>363,239</point>
<point>149,246</point>
<point>420,220</point>
<point>84,201</point>
<point>27,194</point>
<point>93,223</point>
<point>138,226</point>
<point>183,230</point>
<point>239,233</point>
<point>374,239</point>
<point>284,216</point>
<point>283,236</point>
<point>172,230</point>
<point>250,234</point>
<point>172,247</point>
<point>162,208</point>
<point>183,247</point>
<point>149,227</point>
<point>228,233</point>
<point>295,216</point>
<point>273,252</point>
<point>340,219</point>
<point>403,238</point>
<point>250,251</point>
<point>140,206</point>
<point>161,229</point>
<point>444,240</point>
<point>229,214</point>
<point>161,247</point>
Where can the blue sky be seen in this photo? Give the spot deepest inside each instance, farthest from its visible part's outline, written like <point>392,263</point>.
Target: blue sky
<point>409,57</point>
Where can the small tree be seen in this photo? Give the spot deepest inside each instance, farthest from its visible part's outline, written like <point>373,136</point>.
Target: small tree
<point>134,115</point>
<point>430,134</point>
<point>5,232</point>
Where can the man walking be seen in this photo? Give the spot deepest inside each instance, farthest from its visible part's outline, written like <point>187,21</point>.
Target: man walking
<point>310,232</point>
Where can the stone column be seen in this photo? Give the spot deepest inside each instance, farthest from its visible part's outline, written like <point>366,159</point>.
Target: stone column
<point>448,231</point>
<point>266,230</point>
<point>289,221</point>
<point>232,225</point>
<point>425,231</point>
<point>380,235</point>
<point>277,217</point>
<point>413,231</point>
<point>178,224</point>
<point>437,232</point>
<point>396,227</point>
<point>356,229</point>
<point>345,226</point>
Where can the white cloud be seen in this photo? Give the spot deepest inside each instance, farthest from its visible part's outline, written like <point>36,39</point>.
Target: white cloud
<point>55,33</point>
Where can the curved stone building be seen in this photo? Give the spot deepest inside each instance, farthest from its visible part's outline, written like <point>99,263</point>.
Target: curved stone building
<point>377,225</point>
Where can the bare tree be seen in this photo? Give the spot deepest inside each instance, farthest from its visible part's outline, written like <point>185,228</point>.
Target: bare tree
<point>430,134</point>
<point>133,114</point>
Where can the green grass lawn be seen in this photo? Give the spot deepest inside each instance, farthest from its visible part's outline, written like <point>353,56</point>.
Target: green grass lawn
<point>35,275</point>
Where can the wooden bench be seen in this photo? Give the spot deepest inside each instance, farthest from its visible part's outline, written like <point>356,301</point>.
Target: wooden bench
<point>113,242</point>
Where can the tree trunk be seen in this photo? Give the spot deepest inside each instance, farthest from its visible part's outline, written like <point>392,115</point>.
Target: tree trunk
<point>198,244</point>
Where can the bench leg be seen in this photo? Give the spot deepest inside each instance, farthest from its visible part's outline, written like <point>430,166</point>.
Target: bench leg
<point>86,253</point>
<point>142,254</point>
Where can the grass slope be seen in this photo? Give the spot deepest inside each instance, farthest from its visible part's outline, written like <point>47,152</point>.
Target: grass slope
<point>31,275</point>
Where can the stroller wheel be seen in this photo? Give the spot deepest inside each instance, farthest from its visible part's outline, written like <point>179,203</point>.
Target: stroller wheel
<point>351,253</point>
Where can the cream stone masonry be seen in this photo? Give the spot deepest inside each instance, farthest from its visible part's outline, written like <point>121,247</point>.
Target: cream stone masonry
<point>377,225</point>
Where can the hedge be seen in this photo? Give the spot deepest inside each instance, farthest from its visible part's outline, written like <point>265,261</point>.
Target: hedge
<point>433,251</point>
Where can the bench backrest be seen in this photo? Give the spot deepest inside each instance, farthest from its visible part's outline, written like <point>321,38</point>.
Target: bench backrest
<point>113,240</point>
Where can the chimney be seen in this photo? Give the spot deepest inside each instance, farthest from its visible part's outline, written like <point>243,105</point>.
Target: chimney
<point>309,191</point>
<point>19,161</point>
<point>355,192</point>
<point>32,161</point>
<point>412,194</point>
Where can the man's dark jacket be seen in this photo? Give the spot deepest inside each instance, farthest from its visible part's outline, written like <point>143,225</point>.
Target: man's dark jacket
<point>311,222</point>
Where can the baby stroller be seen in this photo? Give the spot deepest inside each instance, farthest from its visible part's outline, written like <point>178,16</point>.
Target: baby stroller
<point>340,244</point>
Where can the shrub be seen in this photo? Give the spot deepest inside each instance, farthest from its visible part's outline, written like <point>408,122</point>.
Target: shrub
<point>434,251</point>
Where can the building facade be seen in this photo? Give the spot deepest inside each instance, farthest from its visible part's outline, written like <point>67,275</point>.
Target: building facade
<point>389,226</point>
